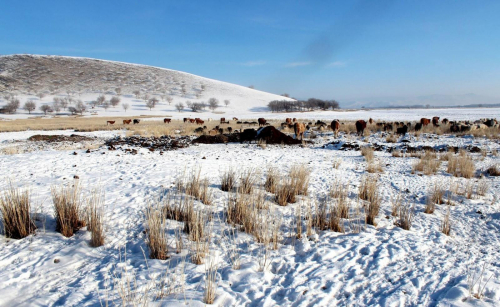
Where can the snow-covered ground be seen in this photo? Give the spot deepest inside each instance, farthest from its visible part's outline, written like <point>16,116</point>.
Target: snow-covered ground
<point>379,266</point>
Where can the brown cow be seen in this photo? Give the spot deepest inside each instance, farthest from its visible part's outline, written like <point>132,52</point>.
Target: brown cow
<point>425,121</point>
<point>234,118</point>
<point>435,121</point>
<point>360,127</point>
<point>191,120</point>
<point>370,121</point>
<point>110,122</point>
<point>167,120</point>
<point>294,120</point>
<point>262,121</point>
<point>299,129</point>
<point>185,119</point>
<point>222,120</point>
<point>445,121</point>
<point>335,127</point>
<point>199,121</point>
<point>136,121</point>
<point>288,120</point>
<point>127,121</point>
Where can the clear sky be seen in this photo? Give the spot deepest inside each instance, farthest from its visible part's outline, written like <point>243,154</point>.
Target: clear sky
<point>327,49</point>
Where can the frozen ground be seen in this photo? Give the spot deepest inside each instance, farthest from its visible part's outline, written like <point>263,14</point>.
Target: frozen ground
<point>379,266</point>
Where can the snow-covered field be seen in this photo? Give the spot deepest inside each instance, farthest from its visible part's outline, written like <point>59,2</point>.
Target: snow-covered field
<point>381,265</point>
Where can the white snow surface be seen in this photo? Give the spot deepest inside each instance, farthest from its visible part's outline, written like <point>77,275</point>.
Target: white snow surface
<point>380,266</point>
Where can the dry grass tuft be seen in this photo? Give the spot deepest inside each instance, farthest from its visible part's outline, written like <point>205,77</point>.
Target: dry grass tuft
<point>374,167</point>
<point>15,206</point>
<point>95,220</point>
<point>405,217</point>
<point>262,143</point>
<point>461,166</point>
<point>397,153</point>
<point>368,190</point>
<point>336,163</point>
<point>67,207</point>
<point>228,180</point>
<point>299,175</point>
<point>340,192</point>
<point>482,187</point>
<point>247,180</point>
<point>156,234</point>
<point>272,180</point>
<point>368,153</point>
<point>428,163</point>
<point>200,233</point>
<point>210,281</point>
<point>391,138</point>
<point>436,194</point>
<point>396,202</point>
<point>446,224</point>
<point>286,192</point>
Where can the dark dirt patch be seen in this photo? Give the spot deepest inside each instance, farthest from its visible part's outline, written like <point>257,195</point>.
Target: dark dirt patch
<point>162,143</point>
<point>59,138</point>
<point>217,139</point>
<point>273,136</point>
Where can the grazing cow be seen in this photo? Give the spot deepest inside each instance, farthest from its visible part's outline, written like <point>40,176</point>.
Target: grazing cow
<point>262,121</point>
<point>127,121</point>
<point>110,122</point>
<point>167,120</point>
<point>199,121</point>
<point>418,126</point>
<point>335,127</point>
<point>445,121</point>
<point>185,119</point>
<point>191,121</point>
<point>284,125</point>
<point>455,128</point>
<point>425,121</point>
<point>198,130</point>
<point>294,120</point>
<point>229,129</point>
<point>465,128</point>
<point>288,120</point>
<point>402,130</point>
<point>299,129</point>
<point>370,121</point>
<point>221,131</point>
<point>435,121</point>
<point>360,127</point>
<point>388,127</point>
<point>235,118</point>
<point>212,132</point>
<point>137,121</point>
<point>489,122</point>
<point>222,120</point>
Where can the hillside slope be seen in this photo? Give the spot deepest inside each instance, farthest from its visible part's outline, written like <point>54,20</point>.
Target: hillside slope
<point>27,76</point>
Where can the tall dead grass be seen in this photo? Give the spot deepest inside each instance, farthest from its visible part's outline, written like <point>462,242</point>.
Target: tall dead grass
<point>228,180</point>
<point>272,180</point>
<point>156,232</point>
<point>248,178</point>
<point>427,164</point>
<point>461,165</point>
<point>68,208</point>
<point>300,176</point>
<point>368,191</point>
<point>368,153</point>
<point>405,217</point>
<point>95,220</point>
<point>446,224</point>
<point>15,206</point>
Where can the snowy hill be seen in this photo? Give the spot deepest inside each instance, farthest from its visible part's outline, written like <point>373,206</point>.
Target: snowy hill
<point>30,77</point>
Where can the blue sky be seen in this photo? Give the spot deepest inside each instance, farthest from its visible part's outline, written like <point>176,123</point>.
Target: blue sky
<point>345,50</point>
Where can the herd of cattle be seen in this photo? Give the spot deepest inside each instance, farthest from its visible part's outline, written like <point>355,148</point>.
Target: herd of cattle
<point>299,128</point>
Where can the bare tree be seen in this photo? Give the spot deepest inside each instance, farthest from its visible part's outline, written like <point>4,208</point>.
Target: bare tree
<point>29,106</point>
<point>145,97</point>
<point>150,104</point>
<point>137,93</point>
<point>285,95</point>
<point>64,104</point>
<point>188,103</point>
<point>13,105</point>
<point>197,106</point>
<point>170,99</point>
<point>118,91</point>
<point>56,106</point>
<point>179,106</point>
<point>45,108</point>
<point>93,104</point>
<point>125,106</point>
<point>105,105</point>
<point>213,103</point>
<point>227,102</point>
<point>101,99</point>
<point>40,95</point>
<point>80,107</point>
<point>114,101</point>
<point>155,101</point>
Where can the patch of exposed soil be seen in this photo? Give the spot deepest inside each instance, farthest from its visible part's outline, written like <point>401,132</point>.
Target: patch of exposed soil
<point>60,138</point>
<point>162,143</point>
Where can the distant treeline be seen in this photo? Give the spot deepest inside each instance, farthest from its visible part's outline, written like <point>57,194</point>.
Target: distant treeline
<point>419,106</point>
<point>302,105</point>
